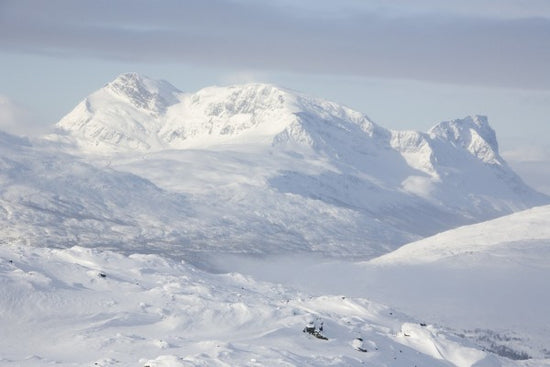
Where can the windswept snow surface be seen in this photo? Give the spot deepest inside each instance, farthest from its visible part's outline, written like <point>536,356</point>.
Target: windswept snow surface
<point>82,307</point>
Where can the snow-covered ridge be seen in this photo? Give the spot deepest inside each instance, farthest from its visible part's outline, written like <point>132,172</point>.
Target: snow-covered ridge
<point>137,114</point>
<point>134,112</point>
<point>529,226</point>
<point>284,171</point>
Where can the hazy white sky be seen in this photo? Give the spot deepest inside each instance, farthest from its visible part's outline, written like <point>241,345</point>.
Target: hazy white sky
<point>407,64</point>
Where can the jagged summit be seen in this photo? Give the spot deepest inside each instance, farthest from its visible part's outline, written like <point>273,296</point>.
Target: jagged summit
<point>264,169</point>
<point>134,112</point>
<point>144,92</point>
<point>472,133</point>
<point>137,114</point>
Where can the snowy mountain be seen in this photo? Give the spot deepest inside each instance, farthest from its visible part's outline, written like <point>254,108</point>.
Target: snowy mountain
<point>265,169</point>
<point>157,228</point>
<point>136,113</point>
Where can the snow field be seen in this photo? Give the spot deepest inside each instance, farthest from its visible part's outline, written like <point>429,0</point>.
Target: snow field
<point>77,306</point>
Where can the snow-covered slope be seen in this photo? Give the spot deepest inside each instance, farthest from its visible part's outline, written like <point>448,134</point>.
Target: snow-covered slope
<point>270,170</point>
<point>123,113</point>
<point>522,237</point>
<point>82,307</point>
<point>487,282</point>
<point>49,198</point>
<point>54,199</point>
<point>490,279</point>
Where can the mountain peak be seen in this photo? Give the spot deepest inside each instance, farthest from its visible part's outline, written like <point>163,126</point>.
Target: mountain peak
<point>472,133</point>
<point>134,112</point>
<point>143,92</point>
<point>245,98</point>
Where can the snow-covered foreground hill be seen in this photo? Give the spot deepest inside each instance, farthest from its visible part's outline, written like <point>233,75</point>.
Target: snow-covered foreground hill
<point>492,275</point>
<point>88,307</point>
<point>488,281</point>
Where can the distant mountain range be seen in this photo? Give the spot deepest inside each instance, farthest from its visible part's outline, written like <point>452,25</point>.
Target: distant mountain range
<point>255,168</point>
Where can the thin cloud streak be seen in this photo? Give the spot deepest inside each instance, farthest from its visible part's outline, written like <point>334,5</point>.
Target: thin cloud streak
<point>16,119</point>
<point>258,36</point>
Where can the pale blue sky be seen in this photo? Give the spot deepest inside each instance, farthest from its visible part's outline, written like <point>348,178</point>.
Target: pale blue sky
<point>405,64</point>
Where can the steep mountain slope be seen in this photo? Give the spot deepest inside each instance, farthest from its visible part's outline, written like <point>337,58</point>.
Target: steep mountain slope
<point>134,112</point>
<point>123,113</point>
<point>267,169</point>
